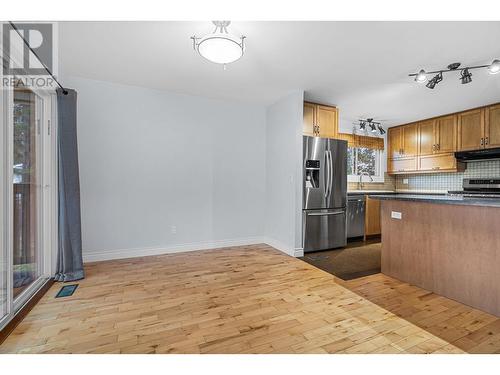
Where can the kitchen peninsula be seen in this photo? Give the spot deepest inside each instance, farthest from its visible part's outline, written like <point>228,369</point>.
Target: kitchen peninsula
<point>445,244</point>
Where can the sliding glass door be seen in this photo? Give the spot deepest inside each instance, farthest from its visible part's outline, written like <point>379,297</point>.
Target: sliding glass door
<point>27,201</point>
<point>26,181</point>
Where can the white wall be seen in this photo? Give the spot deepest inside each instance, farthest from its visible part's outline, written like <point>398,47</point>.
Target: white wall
<point>150,160</point>
<point>283,181</point>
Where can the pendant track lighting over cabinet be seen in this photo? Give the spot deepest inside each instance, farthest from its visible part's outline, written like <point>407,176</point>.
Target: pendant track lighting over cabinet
<point>374,127</point>
<point>465,74</point>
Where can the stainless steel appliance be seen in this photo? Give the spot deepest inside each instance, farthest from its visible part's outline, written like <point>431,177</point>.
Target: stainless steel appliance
<point>324,193</point>
<point>356,216</point>
<point>479,188</point>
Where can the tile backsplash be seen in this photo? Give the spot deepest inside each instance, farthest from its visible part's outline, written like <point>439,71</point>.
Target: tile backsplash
<point>449,181</point>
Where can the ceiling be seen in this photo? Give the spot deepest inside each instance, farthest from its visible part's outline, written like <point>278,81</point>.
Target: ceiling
<point>362,67</point>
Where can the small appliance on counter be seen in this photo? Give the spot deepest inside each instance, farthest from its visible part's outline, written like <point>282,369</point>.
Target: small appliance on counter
<point>324,193</point>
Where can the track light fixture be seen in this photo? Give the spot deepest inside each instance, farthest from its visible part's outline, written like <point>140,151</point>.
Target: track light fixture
<point>375,127</point>
<point>465,74</point>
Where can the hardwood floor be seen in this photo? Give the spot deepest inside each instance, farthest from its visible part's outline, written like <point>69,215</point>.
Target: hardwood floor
<point>249,299</point>
<point>469,329</point>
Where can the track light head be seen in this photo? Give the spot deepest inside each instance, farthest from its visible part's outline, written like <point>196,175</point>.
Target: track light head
<point>373,128</point>
<point>435,80</point>
<point>362,125</point>
<point>421,77</point>
<point>465,76</point>
<point>381,130</point>
<point>494,68</point>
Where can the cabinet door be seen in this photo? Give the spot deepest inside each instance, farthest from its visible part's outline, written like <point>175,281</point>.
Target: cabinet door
<point>394,139</point>
<point>471,130</point>
<point>426,137</point>
<point>309,119</point>
<point>406,165</point>
<point>326,119</point>
<point>410,140</point>
<point>437,162</point>
<point>446,134</point>
<point>372,217</point>
<point>492,126</point>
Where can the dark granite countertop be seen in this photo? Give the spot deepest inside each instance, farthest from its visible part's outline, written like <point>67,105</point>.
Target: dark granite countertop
<point>441,199</point>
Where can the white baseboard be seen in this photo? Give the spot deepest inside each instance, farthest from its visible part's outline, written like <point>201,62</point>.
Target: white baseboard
<point>294,252</point>
<point>100,255</point>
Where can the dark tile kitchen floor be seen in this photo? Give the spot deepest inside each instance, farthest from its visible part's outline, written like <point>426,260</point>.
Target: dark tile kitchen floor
<point>357,259</point>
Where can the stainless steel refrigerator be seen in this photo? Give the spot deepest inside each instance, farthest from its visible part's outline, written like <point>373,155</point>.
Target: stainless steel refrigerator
<point>324,193</point>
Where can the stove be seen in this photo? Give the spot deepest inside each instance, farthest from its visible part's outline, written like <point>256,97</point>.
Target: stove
<point>479,188</point>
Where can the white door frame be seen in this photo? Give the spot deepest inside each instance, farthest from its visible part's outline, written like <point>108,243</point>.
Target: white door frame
<point>48,184</point>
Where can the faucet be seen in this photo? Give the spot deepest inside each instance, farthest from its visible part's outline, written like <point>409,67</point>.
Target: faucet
<point>360,182</point>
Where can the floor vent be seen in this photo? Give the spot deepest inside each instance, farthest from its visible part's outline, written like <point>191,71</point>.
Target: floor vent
<point>67,291</point>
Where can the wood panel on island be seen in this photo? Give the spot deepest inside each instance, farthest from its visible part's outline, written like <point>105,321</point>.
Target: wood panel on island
<point>428,146</point>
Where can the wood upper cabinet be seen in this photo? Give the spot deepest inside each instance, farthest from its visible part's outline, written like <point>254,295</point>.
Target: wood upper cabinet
<point>309,120</point>
<point>492,124</point>
<point>437,136</point>
<point>410,140</point>
<point>395,144</point>
<point>327,121</point>
<point>320,120</point>
<point>446,134</point>
<point>427,137</point>
<point>471,130</point>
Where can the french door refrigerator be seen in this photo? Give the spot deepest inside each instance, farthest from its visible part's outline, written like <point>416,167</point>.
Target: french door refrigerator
<point>324,193</point>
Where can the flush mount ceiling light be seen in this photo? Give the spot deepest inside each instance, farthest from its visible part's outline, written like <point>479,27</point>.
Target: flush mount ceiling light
<point>375,127</point>
<point>465,74</point>
<point>220,47</point>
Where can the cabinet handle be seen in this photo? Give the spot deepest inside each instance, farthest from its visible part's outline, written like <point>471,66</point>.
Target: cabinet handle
<point>435,167</point>
<point>482,141</point>
<point>438,146</point>
<point>433,147</point>
<point>486,141</point>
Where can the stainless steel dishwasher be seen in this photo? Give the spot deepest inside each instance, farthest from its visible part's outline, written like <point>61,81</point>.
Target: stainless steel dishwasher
<point>355,216</point>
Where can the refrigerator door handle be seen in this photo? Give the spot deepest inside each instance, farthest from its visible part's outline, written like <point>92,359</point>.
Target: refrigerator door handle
<point>330,173</point>
<point>327,177</point>
<point>325,213</point>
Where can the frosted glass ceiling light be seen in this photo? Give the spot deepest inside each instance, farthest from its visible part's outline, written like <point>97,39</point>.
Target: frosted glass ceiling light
<point>220,47</point>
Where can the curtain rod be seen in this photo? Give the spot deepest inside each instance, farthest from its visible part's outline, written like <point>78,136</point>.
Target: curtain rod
<point>65,92</point>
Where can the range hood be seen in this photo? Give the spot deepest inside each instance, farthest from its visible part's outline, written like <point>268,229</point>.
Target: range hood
<point>484,154</point>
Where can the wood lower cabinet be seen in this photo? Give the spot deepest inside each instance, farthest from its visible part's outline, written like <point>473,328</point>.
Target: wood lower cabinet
<point>395,166</point>
<point>471,130</point>
<point>372,217</point>
<point>492,125</point>
<point>320,120</point>
<point>439,163</point>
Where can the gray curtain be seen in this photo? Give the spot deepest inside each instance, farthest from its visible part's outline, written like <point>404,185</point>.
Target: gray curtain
<point>69,256</point>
